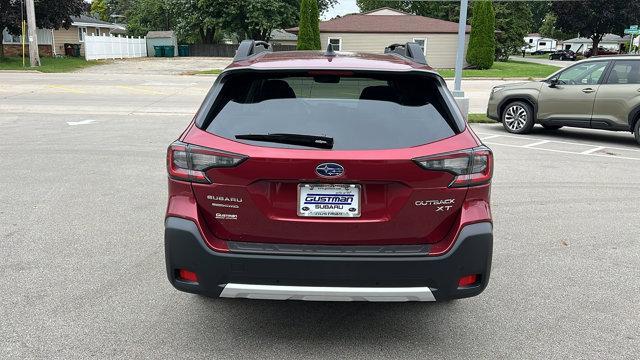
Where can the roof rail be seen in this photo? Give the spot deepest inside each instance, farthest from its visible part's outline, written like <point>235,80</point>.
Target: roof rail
<point>249,48</point>
<point>410,50</point>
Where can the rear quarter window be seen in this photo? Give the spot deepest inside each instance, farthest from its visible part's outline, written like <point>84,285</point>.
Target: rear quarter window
<point>358,111</point>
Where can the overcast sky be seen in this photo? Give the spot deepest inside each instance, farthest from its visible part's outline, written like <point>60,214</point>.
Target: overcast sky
<point>341,8</point>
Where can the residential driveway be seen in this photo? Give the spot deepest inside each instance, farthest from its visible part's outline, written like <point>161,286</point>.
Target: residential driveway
<point>158,66</point>
<point>557,63</point>
<point>83,192</point>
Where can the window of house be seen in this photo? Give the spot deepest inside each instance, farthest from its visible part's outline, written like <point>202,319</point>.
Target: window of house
<point>336,43</point>
<point>82,32</point>
<point>423,44</point>
<point>97,31</point>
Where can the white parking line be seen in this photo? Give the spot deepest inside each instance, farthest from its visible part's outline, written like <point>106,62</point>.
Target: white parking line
<point>595,149</point>
<point>565,151</point>
<point>537,143</point>
<point>83,122</point>
<point>555,141</point>
<point>490,137</point>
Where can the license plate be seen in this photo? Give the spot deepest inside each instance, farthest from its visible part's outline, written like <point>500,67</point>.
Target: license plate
<point>329,200</point>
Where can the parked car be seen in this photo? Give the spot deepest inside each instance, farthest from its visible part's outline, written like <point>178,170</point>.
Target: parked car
<point>563,55</point>
<point>329,176</point>
<point>601,52</point>
<point>598,93</point>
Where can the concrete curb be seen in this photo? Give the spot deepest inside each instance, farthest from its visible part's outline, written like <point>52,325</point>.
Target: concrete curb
<point>21,71</point>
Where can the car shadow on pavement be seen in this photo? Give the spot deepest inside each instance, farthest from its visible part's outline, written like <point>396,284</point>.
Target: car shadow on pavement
<point>601,137</point>
<point>604,137</point>
<point>327,322</point>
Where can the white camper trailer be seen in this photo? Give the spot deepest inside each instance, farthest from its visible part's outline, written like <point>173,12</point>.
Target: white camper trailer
<point>536,44</point>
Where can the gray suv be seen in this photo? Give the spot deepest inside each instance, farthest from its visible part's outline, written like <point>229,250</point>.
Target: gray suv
<point>598,93</point>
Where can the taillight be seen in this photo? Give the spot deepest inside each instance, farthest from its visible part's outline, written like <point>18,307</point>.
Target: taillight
<point>471,167</point>
<point>190,162</point>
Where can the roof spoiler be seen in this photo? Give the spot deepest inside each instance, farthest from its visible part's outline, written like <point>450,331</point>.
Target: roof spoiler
<point>249,48</point>
<point>411,50</point>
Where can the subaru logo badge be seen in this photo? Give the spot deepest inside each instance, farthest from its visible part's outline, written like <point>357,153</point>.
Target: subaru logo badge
<point>329,170</point>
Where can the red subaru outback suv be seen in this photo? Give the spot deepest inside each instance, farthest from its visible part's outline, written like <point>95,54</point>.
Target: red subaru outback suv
<point>329,176</point>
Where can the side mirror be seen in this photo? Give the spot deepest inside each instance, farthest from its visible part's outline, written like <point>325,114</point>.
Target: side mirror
<point>553,82</point>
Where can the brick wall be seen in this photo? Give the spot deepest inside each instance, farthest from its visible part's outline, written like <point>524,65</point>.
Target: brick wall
<point>16,50</point>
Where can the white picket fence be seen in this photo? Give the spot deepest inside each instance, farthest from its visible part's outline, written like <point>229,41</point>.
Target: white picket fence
<point>114,47</point>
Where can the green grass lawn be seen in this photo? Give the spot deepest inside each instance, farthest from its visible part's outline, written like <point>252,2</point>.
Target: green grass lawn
<point>205,72</point>
<point>48,64</point>
<point>506,70</point>
<point>479,119</point>
<point>541,56</point>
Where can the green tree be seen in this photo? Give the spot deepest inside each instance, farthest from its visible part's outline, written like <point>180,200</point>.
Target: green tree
<point>539,11</point>
<point>549,29</point>
<point>200,21</point>
<point>50,14</point>
<point>308,27</point>
<point>147,15</point>
<point>445,10</point>
<point>595,18</point>
<point>257,18</point>
<point>100,10</point>
<point>513,23</point>
<point>482,41</point>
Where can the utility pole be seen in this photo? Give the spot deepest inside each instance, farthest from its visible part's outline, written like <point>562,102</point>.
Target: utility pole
<point>34,57</point>
<point>463,102</point>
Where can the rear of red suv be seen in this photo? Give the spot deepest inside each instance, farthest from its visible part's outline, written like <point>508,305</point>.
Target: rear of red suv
<point>324,176</point>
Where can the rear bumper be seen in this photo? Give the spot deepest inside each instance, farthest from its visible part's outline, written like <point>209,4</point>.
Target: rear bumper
<point>315,277</point>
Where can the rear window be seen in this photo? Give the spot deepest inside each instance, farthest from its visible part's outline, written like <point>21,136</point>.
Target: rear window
<point>356,111</point>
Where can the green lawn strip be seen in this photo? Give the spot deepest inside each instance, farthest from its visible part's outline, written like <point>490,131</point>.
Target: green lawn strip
<point>48,64</point>
<point>506,70</point>
<point>205,72</point>
<point>479,119</point>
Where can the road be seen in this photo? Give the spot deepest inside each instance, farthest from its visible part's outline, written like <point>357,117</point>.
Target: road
<point>544,61</point>
<point>82,197</point>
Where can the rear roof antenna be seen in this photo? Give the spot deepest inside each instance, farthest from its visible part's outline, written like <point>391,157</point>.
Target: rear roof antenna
<point>329,51</point>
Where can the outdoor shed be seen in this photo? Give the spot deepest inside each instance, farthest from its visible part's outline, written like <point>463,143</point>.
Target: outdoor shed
<point>161,38</point>
<point>374,30</point>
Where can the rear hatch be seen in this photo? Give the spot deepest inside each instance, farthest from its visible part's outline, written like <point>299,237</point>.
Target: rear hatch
<point>328,158</point>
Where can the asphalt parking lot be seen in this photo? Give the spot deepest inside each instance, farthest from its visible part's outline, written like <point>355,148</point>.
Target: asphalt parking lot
<point>82,197</point>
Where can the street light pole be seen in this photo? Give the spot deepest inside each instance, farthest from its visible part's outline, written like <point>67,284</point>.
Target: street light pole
<point>34,57</point>
<point>458,94</point>
<point>462,31</point>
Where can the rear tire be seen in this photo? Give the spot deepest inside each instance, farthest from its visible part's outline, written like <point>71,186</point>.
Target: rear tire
<point>551,127</point>
<point>517,118</point>
<point>636,131</point>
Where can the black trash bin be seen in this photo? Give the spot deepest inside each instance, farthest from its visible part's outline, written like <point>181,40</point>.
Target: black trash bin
<point>72,50</point>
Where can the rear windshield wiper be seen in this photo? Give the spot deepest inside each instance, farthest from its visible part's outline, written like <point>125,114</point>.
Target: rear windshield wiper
<point>321,142</point>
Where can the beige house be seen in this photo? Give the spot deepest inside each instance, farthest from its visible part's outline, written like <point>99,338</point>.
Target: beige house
<point>51,42</point>
<point>374,30</point>
<point>80,27</point>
